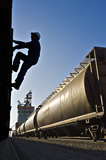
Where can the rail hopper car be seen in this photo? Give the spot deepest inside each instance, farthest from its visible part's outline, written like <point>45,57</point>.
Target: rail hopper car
<point>77,106</point>
<point>5,66</point>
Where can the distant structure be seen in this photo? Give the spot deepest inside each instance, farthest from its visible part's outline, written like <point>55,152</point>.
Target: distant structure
<point>25,108</point>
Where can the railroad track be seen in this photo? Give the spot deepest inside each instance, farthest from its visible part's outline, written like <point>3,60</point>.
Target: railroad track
<point>81,139</point>
<point>75,142</point>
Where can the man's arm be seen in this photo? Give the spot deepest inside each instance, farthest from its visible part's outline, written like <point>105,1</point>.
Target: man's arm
<point>21,44</point>
<point>18,42</point>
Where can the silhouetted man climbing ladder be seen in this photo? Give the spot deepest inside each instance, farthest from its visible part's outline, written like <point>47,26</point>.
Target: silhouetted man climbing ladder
<point>28,60</point>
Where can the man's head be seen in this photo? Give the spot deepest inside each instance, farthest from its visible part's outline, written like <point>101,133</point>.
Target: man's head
<point>35,35</point>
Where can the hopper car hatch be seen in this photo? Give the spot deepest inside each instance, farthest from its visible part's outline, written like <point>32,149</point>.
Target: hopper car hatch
<point>5,66</point>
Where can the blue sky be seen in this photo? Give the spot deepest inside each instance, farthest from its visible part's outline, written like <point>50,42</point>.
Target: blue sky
<point>69,30</point>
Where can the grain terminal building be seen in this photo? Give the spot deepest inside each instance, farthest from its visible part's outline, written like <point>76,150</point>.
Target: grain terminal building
<point>25,108</point>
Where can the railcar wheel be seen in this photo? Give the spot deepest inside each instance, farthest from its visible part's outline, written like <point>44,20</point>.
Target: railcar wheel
<point>93,134</point>
<point>96,133</point>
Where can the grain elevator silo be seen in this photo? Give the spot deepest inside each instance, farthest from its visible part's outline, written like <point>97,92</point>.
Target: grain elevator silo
<point>25,108</point>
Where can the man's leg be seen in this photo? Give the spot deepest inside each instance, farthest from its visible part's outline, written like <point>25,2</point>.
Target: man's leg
<point>19,56</point>
<point>25,66</point>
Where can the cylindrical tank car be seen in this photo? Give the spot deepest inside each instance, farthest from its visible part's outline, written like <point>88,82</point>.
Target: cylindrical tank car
<point>77,105</point>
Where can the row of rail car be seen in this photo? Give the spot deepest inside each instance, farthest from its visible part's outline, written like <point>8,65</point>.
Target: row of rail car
<point>77,106</point>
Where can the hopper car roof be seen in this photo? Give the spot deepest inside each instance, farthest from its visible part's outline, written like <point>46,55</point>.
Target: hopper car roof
<point>100,53</point>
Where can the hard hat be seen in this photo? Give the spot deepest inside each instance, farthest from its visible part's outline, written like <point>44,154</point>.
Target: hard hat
<point>37,34</point>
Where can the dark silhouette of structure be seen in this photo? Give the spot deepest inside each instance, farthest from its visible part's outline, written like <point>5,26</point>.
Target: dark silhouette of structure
<point>5,72</point>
